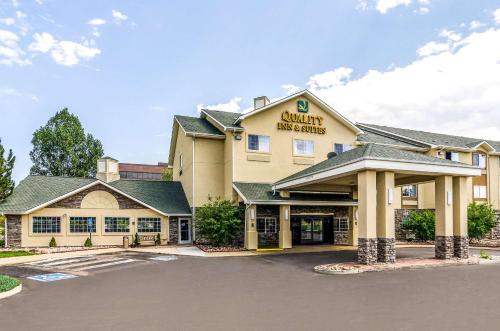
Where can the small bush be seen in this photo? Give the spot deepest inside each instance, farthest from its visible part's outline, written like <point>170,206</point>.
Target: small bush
<point>219,221</point>
<point>484,255</point>
<point>52,242</point>
<point>88,242</point>
<point>137,240</point>
<point>158,240</point>
<point>481,219</point>
<point>421,223</point>
<point>2,243</point>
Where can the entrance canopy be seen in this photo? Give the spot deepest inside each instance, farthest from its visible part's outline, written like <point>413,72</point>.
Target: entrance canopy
<point>408,167</point>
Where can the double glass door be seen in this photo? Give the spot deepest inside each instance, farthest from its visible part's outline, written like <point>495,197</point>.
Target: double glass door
<point>311,230</point>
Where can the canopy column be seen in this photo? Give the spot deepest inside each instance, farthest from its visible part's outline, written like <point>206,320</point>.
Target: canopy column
<point>386,242</point>
<point>251,238</point>
<point>461,197</point>
<point>444,217</point>
<point>285,235</point>
<point>367,217</point>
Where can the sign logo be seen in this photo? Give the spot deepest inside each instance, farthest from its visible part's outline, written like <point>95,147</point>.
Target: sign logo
<point>303,106</point>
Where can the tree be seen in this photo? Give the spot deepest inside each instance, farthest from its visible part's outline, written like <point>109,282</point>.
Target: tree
<point>219,222</point>
<point>6,166</point>
<point>61,148</point>
<point>422,223</point>
<point>167,175</point>
<point>481,219</point>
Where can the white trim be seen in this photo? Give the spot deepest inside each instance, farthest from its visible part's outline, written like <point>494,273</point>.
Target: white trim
<point>323,105</point>
<point>397,135</point>
<point>193,210</point>
<point>189,231</point>
<point>363,164</point>
<point>484,142</point>
<point>408,148</point>
<point>224,128</point>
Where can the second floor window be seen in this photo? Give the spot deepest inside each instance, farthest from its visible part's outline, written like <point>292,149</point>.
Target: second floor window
<point>303,147</point>
<point>341,148</point>
<point>258,143</point>
<point>453,156</point>
<point>409,191</point>
<point>479,160</point>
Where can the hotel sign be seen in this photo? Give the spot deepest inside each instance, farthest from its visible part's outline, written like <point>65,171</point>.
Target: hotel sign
<point>301,121</point>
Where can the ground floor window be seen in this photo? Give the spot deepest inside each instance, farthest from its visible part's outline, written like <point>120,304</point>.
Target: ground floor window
<point>81,224</point>
<point>116,224</point>
<point>479,192</point>
<point>410,191</point>
<point>340,224</point>
<point>149,224</point>
<point>46,224</point>
<point>266,225</point>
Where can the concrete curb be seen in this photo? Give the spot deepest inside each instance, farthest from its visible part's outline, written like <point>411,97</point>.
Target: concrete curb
<point>12,292</point>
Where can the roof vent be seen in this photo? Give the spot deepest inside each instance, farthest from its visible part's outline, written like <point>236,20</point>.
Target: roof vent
<point>331,154</point>
<point>107,169</point>
<point>260,102</point>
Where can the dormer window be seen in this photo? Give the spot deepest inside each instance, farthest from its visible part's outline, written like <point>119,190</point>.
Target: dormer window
<point>452,156</point>
<point>479,160</point>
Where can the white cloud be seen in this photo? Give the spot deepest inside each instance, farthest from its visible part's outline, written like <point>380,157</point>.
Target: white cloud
<point>431,48</point>
<point>119,16</point>
<point>10,92</point>
<point>40,2</point>
<point>473,25</point>
<point>290,88</point>
<point>496,15</point>
<point>96,21</point>
<point>456,92</point>
<point>423,10</point>
<point>362,5</point>
<point>64,52</point>
<point>232,106</point>
<point>330,78</point>
<point>15,3</point>
<point>383,6</point>
<point>8,21</point>
<point>10,52</point>
<point>450,35</point>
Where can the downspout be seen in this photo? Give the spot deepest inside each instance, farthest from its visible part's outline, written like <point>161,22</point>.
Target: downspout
<point>194,206</point>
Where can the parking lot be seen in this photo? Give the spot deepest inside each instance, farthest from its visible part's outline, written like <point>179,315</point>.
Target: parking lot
<point>249,293</point>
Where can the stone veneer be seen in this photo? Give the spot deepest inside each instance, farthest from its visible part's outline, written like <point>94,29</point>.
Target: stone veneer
<point>173,231</point>
<point>367,250</point>
<point>74,201</point>
<point>444,247</point>
<point>13,230</point>
<point>461,247</point>
<point>386,248</point>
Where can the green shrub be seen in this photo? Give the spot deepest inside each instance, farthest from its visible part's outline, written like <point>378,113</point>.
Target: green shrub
<point>219,222</point>
<point>137,240</point>
<point>7,283</point>
<point>484,255</point>
<point>52,242</point>
<point>422,223</point>
<point>481,219</point>
<point>88,242</point>
<point>2,243</point>
<point>158,240</point>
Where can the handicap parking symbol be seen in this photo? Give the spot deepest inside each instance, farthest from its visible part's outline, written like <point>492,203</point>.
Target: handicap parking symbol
<point>51,277</point>
<point>164,258</point>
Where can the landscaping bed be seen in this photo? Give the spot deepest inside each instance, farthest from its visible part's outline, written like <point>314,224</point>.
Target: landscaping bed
<point>48,250</point>
<point>6,254</point>
<point>214,249</point>
<point>8,283</point>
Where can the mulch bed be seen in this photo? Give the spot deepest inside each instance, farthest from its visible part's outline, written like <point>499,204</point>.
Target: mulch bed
<point>215,249</point>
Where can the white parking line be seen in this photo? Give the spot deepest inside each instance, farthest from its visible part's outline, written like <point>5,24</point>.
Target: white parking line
<point>55,259</point>
<point>82,264</point>
<point>63,262</point>
<point>104,265</point>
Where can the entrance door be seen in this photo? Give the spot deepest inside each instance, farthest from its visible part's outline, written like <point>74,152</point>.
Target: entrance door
<point>184,231</point>
<point>311,230</point>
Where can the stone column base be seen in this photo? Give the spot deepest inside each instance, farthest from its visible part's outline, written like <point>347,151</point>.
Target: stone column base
<point>444,247</point>
<point>386,248</point>
<point>367,250</point>
<point>461,247</point>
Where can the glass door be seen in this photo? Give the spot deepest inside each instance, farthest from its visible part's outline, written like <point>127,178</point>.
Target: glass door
<point>311,230</point>
<point>184,231</point>
<point>317,230</point>
<point>306,230</point>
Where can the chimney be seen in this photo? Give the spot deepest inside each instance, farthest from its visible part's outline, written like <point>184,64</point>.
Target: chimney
<point>260,102</point>
<point>107,170</point>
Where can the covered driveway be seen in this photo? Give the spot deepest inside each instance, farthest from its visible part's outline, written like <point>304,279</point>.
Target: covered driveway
<point>373,171</point>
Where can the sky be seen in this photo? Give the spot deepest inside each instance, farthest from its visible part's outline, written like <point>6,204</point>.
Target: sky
<point>126,67</point>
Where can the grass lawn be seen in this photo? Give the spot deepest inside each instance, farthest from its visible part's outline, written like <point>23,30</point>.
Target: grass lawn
<point>7,283</point>
<point>14,253</point>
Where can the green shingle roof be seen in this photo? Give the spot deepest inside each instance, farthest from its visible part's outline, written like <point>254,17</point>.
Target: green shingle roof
<point>225,118</point>
<point>259,192</point>
<point>431,138</point>
<point>377,138</point>
<point>197,125</point>
<point>34,191</point>
<point>372,152</point>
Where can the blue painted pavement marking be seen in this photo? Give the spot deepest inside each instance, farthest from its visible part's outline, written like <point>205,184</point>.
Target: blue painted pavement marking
<point>51,277</point>
<point>164,258</point>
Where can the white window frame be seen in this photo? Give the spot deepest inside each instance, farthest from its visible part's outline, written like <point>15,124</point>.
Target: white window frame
<point>481,156</point>
<point>480,192</point>
<point>154,220</point>
<point>46,218</point>
<point>302,153</point>
<point>260,150</point>
<point>82,219</point>
<point>345,147</point>
<point>117,217</point>
<point>409,196</point>
<point>189,231</point>
<point>455,156</point>
<point>267,221</point>
<point>345,224</point>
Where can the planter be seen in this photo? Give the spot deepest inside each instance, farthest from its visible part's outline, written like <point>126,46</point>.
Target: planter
<point>11,292</point>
